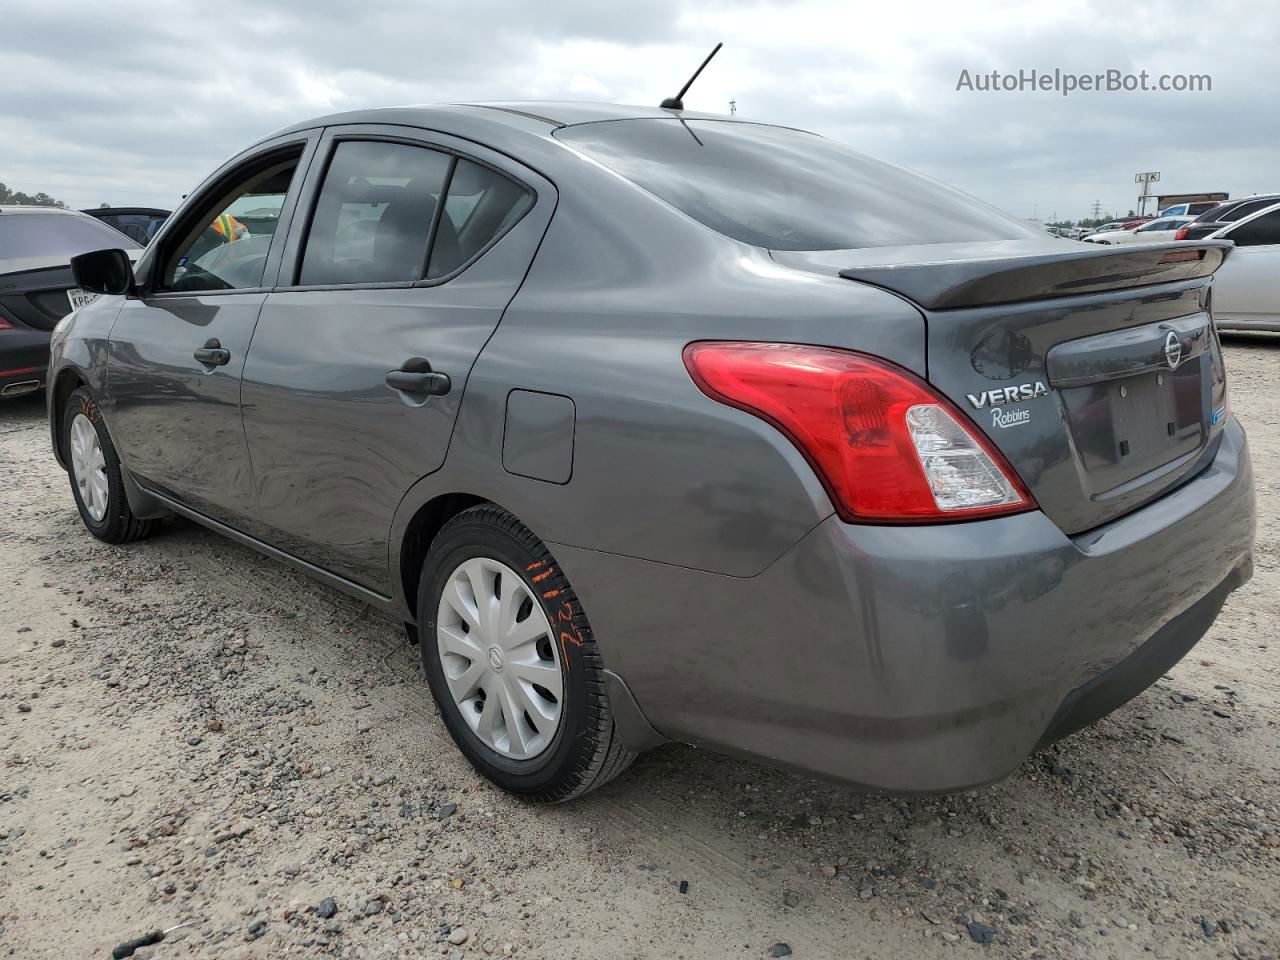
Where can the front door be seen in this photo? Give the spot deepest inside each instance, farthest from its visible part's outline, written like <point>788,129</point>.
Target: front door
<point>415,244</point>
<point>178,349</point>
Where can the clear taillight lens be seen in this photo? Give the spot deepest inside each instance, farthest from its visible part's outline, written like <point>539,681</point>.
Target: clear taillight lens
<point>960,473</point>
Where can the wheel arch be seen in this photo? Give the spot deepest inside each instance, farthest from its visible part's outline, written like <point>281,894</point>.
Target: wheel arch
<point>419,532</point>
<point>66,383</point>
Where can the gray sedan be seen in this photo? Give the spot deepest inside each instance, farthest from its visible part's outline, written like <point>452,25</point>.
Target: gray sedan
<point>653,425</point>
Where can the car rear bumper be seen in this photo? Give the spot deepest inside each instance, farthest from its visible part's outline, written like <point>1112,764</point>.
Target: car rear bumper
<point>927,658</point>
<point>24,358</point>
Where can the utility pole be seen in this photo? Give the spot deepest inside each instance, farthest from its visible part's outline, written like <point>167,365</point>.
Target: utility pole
<point>1097,209</point>
<point>733,107</point>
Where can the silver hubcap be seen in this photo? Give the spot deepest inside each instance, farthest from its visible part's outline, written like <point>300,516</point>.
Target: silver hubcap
<point>500,658</point>
<point>89,466</point>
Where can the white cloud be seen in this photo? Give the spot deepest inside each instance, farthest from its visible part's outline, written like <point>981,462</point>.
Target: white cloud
<point>98,106</point>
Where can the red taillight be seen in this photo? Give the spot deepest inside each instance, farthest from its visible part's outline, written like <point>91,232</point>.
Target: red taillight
<point>5,324</point>
<point>1182,233</point>
<point>885,445</point>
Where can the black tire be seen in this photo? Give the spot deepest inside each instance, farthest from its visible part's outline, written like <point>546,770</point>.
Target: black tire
<point>118,524</point>
<point>587,750</point>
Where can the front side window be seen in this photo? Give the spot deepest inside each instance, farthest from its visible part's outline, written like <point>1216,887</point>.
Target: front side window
<point>227,250</point>
<point>1263,231</point>
<point>785,189</point>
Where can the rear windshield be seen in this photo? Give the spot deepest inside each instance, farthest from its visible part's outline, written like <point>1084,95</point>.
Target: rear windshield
<point>785,189</point>
<point>56,235</point>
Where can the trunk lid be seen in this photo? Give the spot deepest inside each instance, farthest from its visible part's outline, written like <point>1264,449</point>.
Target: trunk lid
<point>1095,370</point>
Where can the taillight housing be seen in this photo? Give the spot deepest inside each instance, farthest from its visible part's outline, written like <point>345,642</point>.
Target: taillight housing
<point>1182,233</point>
<point>886,446</point>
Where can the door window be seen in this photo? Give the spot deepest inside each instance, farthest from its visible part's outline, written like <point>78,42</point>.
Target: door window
<point>227,249</point>
<point>1264,230</point>
<point>373,218</point>
<point>379,210</point>
<point>481,206</point>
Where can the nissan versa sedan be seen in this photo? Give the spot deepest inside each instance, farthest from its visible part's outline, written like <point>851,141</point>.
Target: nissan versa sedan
<point>653,425</point>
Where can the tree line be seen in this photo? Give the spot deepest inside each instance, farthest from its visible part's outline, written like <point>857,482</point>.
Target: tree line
<point>18,197</point>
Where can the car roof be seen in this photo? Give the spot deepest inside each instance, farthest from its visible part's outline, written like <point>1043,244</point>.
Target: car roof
<point>12,208</point>
<point>537,117</point>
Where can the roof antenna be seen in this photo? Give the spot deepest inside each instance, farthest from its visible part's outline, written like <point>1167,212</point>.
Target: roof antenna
<point>677,102</point>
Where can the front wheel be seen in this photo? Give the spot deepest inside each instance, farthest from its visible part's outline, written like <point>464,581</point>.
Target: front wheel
<point>94,467</point>
<point>511,660</point>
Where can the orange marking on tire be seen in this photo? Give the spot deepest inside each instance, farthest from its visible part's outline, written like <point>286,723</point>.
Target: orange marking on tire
<point>544,574</point>
<point>535,566</point>
<point>550,594</point>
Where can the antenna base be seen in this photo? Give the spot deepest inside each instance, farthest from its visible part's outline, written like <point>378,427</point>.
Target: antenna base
<point>672,103</point>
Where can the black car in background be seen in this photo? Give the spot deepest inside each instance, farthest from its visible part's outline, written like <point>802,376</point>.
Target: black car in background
<point>36,289</point>
<point>1229,211</point>
<point>136,223</point>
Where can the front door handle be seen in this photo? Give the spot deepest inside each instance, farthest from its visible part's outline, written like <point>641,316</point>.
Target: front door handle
<point>212,354</point>
<point>416,376</point>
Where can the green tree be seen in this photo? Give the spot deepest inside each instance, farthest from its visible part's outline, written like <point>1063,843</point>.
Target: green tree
<point>17,197</point>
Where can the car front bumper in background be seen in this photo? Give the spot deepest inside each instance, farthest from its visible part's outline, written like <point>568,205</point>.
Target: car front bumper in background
<point>924,658</point>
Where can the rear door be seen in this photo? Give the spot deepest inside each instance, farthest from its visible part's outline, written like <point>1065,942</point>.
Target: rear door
<point>1247,288</point>
<point>385,298</point>
<point>178,349</point>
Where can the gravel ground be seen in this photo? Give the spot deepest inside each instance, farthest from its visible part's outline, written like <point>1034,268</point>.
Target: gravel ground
<point>192,733</point>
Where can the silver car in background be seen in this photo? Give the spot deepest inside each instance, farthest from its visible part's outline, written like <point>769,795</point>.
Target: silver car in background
<point>653,425</point>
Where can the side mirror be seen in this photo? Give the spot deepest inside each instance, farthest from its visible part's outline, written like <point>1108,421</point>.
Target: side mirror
<point>103,271</point>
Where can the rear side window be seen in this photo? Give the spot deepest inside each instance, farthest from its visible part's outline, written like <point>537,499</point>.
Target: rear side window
<point>374,215</point>
<point>379,210</point>
<point>785,189</point>
<point>482,205</point>
<point>1255,233</point>
<point>56,235</point>
<point>1246,208</point>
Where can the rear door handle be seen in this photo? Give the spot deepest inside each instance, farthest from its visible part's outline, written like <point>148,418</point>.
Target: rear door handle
<point>212,354</point>
<point>416,376</point>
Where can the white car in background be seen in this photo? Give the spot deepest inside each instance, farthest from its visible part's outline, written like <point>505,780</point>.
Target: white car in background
<point>1246,288</point>
<point>1162,229</point>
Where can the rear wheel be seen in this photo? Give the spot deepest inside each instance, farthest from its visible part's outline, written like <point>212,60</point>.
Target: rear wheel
<point>511,660</point>
<point>94,468</point>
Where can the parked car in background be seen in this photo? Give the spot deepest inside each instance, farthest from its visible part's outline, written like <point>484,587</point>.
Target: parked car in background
<point>1246,289</point>
<point>1216,217</point>
<point>1188,209</point>
<point>654,424</point>
<point>36,289</point>
<point>1150,232</point>
<point>138,223</point>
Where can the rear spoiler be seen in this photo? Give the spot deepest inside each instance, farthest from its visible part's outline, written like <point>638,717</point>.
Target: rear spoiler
<point>944,284</point>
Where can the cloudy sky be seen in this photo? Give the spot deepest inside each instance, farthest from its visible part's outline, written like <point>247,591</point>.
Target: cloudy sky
<point>133,103</point>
